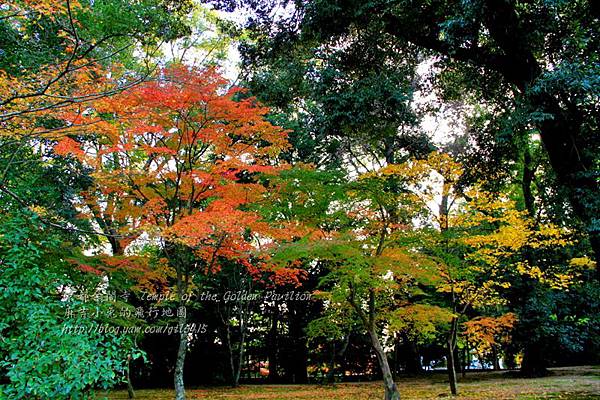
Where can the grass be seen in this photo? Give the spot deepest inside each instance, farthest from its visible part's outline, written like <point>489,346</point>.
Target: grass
<point>581,383</point>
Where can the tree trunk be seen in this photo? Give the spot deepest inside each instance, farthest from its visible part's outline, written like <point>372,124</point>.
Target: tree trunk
<point>413,361</point>
<point>183,334</point>
<point>337,354</point>
<point>509,359</point>
<point>240,360</point>
<point>451,368</point>
<point>495,360</point>
<point>130,391</point>
<point>534,364</point>
<point>273,345</point>
<point>466,359</point>
<point>451,362</point>
<point>228,344</point>
<point>179,362</point>
<point>481,361</point>
<point>117,250</point>
<point>330,378</point>
<point>296,359</point>
<point>391,390</point>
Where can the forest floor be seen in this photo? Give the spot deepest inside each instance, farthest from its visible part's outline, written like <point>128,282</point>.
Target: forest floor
<point>581,383</point>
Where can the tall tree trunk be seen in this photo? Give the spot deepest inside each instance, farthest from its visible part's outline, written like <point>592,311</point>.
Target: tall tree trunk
<point>228,345</point>
<point>457,359</point>
<point>510,356</point>
<point>273,345</point>
<point>117,250</point>
<point>183,334</point>
<point>240,360</point>
<point>451,368</point>
<point>180,360</point>
<point>481,361</point>
<point>466,359</point>
<point>451,362</point>
<point>295,360</point>
<point>391,390</point>
<point>330,378</point>
<point>224,315</point>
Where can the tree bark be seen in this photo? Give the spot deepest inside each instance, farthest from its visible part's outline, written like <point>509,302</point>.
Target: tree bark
<point>240,360</point>
<point>450,368</point>
<point>183,335</point>
<point>466,359</point>
<point>330,378</point>
<point>296,359</point>
<point>391,390</point>
<point>130,391</point>
<point>179,362</point>
<point>228,344</point>
<point>226,332</point>
<point>273,345</point>
<point>413,361</point>
<point>495,360</point>
<point>450,361</point>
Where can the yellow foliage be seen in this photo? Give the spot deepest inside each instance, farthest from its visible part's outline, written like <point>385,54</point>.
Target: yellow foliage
<point>582,263</point>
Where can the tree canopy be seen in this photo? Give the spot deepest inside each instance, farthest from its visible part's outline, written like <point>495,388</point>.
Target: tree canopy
<point>386,187</point>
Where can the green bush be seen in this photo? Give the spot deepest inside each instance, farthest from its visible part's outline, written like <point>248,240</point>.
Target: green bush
<point>41,355</point>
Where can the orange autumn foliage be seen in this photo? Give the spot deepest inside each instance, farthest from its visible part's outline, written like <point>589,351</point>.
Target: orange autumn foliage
<point>175,160</point>
<point>489,333</point>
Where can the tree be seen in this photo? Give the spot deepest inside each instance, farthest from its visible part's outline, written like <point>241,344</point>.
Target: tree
<point>518,56</point>
<point>236,289</point>
<point>181,156</point>
<point>368,273</point>
<point>434,191</point>
<point>61,54</point>
<point>488,334</point>
<point>48,328</point>
<point>58,52</point>
<point>482,241</point>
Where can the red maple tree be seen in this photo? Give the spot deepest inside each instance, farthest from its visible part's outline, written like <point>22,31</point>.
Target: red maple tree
<point>175,162</point>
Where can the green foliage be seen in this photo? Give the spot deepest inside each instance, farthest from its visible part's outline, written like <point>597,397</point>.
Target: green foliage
<point>44,352</point>
<point>308,195</point>
<point>108,30</point>
<point>421,322</point>
<point>337,99</point>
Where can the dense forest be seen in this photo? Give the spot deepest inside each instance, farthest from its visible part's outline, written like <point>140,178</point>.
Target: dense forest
<point>224,193</point>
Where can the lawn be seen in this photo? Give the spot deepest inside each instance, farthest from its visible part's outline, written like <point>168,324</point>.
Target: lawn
<point>582,383</point>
